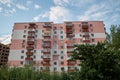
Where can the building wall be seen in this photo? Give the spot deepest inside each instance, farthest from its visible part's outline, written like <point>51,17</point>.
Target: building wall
<point>59,41</point>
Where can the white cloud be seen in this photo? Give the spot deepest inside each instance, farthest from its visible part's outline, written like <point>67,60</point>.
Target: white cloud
<point>5,1</point>
<point>95,12</point>
<point>22,7</point>
<point>61,2</point>
<point>29,2</point>
<point>58,14</point>
<point>37,6</point>
<point>9,12</point>
<point>1,9</point>
<point>5,39</point>
<point>42,16</point>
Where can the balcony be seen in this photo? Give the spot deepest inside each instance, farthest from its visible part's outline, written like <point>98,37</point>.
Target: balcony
<point>69,31</point>
<point>46,64</point>
<point>86,35</point>
<point>69,41</point>
<point>46,59</point>
<point>71,63</point>
<point>69,52</point>
<point>46,46</point>
<point>70,70</point>
<point>46,52</point>
<point>30,43</point>
<point>69,25</point>
<point>31,27</point>
<point>85,30</point>
<point>47,25</point>
<point>70,46</point>
<point>70,35</point>
<point>31,32</point>
<point>46,41</point>
<point>30,37</point>
<point>86,40</point>
<point>28,58</point>
<point>85,26</point>
<point>30,47</point>
<point>29,53</point>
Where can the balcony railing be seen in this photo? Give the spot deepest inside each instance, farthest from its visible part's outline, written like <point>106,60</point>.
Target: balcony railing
<point>29,53</point>
<point>31,32</point>
<point>71,63</point>
<point>28,58</point>
<point>30,37</point>
<point>85,30</point>
<point>30,47</point>
<point>85,26</point>
<point>86,40</point>
<point>46,59</point>
<point>30,42</point>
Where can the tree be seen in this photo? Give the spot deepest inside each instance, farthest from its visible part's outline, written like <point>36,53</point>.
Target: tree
<point>114,37</point>
<point>97,62</point>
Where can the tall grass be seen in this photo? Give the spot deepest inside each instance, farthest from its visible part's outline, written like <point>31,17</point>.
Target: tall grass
<point>27,73</point>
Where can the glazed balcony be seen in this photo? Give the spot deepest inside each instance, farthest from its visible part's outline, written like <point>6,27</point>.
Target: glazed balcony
<point>70,35</point>
<point>46,40</point>
<point>30,42</point>
<point>85,26</point>
<point>30,47</point>
<point>69,31</point>
<point>28,58</point>
<point>69,52</point>
<point>46,52</point>
<point>85,30</point>
<point>30,37</point>
<point>46,59</point>
<point>31,32</point>
<point>46,45</point>
<point>86,35</point>
<point>70,46</point>
<point>47,25</point>
<point>86,40</point>
<point>46,64</point>
<point>29,53</point>
<point>31,27</point>
<point>69,25</point>
<point>46,35</point>
<point>70,70</point>
<point>71,63</point>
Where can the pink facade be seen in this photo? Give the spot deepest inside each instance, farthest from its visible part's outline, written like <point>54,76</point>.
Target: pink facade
<point>48,46</point>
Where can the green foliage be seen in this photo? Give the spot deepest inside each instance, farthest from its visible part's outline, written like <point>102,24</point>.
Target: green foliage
<point>114,37</point>
<point>98,62</point>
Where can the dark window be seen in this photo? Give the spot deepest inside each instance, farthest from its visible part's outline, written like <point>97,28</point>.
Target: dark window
<point>22,51</point>
<point>79,25</point>
<point>61,27</point>
<point>93,40</point>
<point>55,51</point>
<point>61,37</point>
<point>34,57</point>
<point>61,52</point>
<point>55,63</point>
<point>55,32</point>
<point>91,25</point>
<point>24,36</point>
<point>62,68</point>
<point>92,35</point>
<point>61,47</point>
<point>61,32</point>
<point>36,31</point>
<point>80,35</point>
<point>80,30</point>
<point>25,27</point>
<point>62,57</point>
<point>21,62</point>
<point>22,57</point>
<point>80,40</point>
<point>62,63</point>
<point>24,31</point>
<point>55,68</point>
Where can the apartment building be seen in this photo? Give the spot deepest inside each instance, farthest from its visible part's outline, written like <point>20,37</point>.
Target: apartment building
<point>48,45</point>
<point>4,52</point>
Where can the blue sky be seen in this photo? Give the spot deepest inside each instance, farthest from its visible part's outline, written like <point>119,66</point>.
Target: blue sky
<point>12,11</point>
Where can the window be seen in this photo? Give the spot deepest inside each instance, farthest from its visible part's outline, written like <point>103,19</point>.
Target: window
<point>62,63</point>
<point>35,35</point>
<point>91,30</point>
<point>55,63</point>
<point>61,32</point>
<point>80,35</point>
<point>55,68</point>
<point>41,56</point>
<point>62,68</point>
<point>92,35</point>
<point>24,31</point>
<point>55,51</point>
<point>22,51</point>
<point>91,25</point>
<point>21,62</point>
<point>25,27</point>
<point>80,40</point>
<point>61,52</point>
<point>80,30</point>
<point>61,37</point>
<point>61,27</point>
<point>36,31</point>
<point>55,27</point>
<point>23,41</point>
<point>34,57</point>
<point>34,51</point>
<point>61,47</point>
<point>24,36</point>
<point>55,32</point>
<point>22,57</point>
<point>62,57</point>
<point>93,40</point>
<point>79,25</point>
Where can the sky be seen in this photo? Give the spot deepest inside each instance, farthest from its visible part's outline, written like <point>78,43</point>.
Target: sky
<point>58,11</point>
